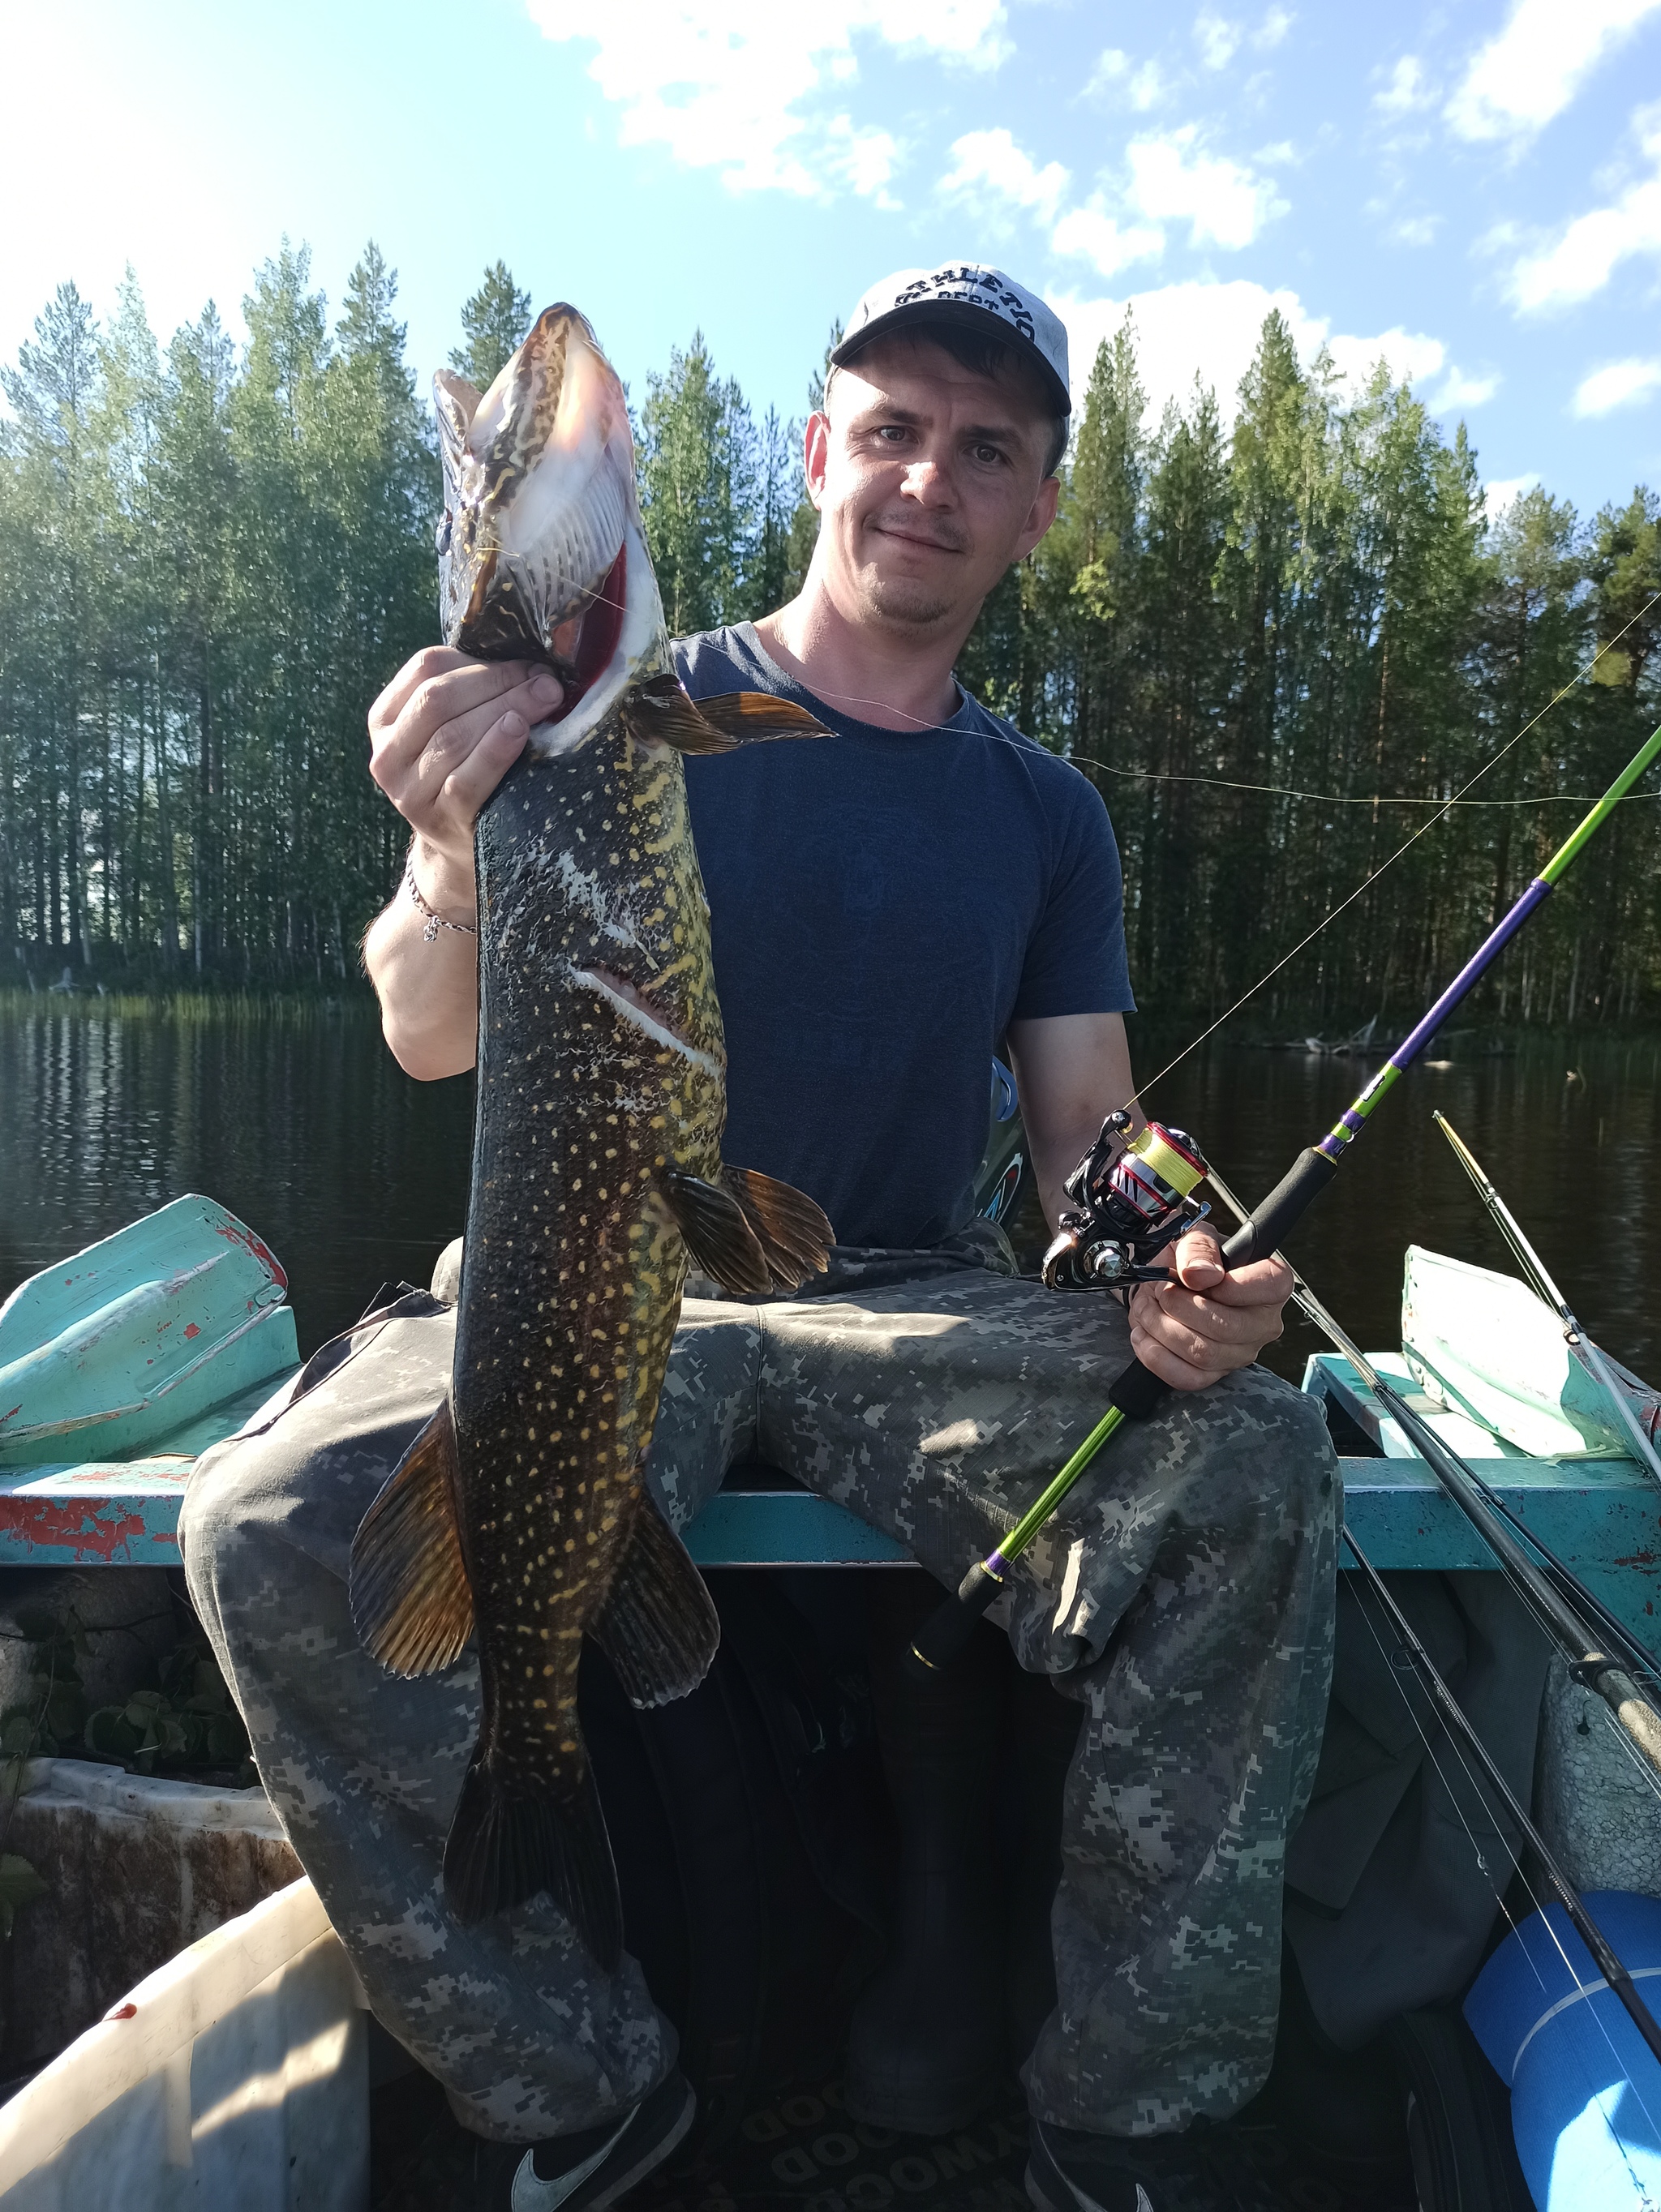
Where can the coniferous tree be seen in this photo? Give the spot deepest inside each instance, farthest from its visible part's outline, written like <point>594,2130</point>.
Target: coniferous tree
<point>1260,641</point>
<point>493,322</point>
<point>698,484</point>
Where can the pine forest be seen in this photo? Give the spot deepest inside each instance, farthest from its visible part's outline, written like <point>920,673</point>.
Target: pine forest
<point>1276,629</point>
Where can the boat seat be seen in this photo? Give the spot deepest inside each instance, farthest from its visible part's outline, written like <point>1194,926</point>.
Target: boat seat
<point>1599,1515</point>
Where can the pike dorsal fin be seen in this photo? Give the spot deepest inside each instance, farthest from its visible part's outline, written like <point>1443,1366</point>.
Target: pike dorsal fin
<point>794,1236</point>
<point>658,1626</point>
<point>661,712</point>
<point>411,1605</point>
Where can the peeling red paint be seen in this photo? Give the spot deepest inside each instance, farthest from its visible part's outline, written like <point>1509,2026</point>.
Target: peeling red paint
<point>1645,1559</point>
<point>73,1525</point>
<point>234,1233</point>
<point>191,1330</point>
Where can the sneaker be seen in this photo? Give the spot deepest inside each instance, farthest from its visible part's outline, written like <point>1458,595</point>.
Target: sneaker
<point>1067,2171</point>
<point>585,2172</point>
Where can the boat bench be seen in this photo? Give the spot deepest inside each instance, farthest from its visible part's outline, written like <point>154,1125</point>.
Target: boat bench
<point>1601,1516</point>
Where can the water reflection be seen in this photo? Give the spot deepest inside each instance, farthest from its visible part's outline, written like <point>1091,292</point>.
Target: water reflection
<point>303,1124</point>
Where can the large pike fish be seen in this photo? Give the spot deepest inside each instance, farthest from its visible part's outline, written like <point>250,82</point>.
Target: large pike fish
<point>520,1515</point>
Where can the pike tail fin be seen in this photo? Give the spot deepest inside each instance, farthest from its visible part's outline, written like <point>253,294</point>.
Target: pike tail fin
<point>504,1846</point>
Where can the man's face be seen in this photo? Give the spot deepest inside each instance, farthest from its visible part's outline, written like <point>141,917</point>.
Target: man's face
<point>930,482</point>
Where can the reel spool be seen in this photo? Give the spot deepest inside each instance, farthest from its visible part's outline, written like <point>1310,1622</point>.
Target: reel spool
<point>1131,1196</point>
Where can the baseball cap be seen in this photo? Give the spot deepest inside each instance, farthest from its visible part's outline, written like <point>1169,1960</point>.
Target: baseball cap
<point>966,291</point>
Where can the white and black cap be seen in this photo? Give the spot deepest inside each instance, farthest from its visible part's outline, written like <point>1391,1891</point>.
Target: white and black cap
<point>966,291</point>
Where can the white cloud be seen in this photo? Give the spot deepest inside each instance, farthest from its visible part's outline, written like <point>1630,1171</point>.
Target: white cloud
<point>1505,491</point>
<point>1621,384</point>
<point>1212,330</point>
<point>1406,89</point>
<point>731,84</point>
<point>1532,68</point>
<point>1273,27</point>
<point>994,174</point>
<point>1416,229</point>
<point>864,159</point>
<point>1218,40</point>
<point>1588,251</point>
<point>1113,64</point>
<point>1222,201</point>
<point>1462,391</point>
<point>1143,88</point>
<point>1408,355</point>
<point>1089,234</point>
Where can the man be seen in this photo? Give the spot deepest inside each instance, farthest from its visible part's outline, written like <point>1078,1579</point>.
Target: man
<point>888,904</point>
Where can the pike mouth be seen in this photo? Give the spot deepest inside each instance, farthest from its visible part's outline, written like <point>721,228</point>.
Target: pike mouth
<point>582,650</point>
<point>643,1013</point>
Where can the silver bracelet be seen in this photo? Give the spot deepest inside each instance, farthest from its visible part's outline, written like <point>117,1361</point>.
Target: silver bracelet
<point>435,921</point>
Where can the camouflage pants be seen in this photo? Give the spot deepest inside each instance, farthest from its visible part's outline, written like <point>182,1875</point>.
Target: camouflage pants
<point>1184,1596</point>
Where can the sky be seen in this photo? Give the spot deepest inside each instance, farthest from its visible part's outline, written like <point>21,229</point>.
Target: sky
<point>1470,190</point>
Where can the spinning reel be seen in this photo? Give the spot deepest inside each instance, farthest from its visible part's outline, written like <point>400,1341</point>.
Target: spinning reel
<point>1131,1196</point>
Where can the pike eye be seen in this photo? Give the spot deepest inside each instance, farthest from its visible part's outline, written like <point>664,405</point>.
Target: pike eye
<point>442,535</point>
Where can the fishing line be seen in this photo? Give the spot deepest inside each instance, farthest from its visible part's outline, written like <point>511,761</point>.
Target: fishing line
<point>1585,1989</point>
<point>1582,1623</point>
<point>1588,1989</point>
<point>1521,1870</point>
<point>1343,798</point>
<point>1423,830</point>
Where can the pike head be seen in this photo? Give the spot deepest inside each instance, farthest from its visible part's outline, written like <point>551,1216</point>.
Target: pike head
<point>541,552</point>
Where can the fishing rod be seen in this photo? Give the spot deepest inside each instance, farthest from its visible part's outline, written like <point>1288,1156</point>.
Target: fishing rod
<point>1608,1966</point>
<point>1534,1267</point>
<point>1107,1236</point>
<point>1603,1655</point>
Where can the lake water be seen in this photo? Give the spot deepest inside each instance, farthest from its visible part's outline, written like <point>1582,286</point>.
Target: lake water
<point>302,1123</point>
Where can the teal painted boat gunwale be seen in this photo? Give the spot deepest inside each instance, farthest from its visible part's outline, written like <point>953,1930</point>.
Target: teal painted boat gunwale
<point>1601,1516</point>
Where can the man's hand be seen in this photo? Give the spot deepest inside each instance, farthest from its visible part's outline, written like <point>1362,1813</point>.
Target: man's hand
<point>1195,1330</point>
<point>442,735</point>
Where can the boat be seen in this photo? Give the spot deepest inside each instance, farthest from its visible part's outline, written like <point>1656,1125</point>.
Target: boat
<point>242,2068</point>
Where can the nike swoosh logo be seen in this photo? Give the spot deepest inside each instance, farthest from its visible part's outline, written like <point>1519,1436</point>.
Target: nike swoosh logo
<point>530,2193</point>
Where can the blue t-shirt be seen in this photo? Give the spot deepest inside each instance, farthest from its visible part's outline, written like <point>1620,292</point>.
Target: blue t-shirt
<point>883,904</point>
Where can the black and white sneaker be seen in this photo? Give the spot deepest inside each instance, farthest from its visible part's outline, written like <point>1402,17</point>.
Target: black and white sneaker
<point>1067,2171</point>
<point>585,2172</point>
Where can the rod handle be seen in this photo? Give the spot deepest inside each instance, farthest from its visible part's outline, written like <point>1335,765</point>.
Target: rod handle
<point>1137,1391</point>
<point>1271,1217</point>
<point>945,1635</point>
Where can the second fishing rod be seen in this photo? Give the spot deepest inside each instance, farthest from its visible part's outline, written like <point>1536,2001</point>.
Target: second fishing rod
<point>1601,1652</point>
<point>1132,1194</point>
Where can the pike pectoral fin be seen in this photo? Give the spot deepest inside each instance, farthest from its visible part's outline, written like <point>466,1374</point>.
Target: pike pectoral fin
<point>661,712</point>
<point>794,1234</point>
<point>412,1606</point>
<point>502,1848</point>
<point>718,1234</point>
<point>658,1626</point>
<point>744,717</point>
